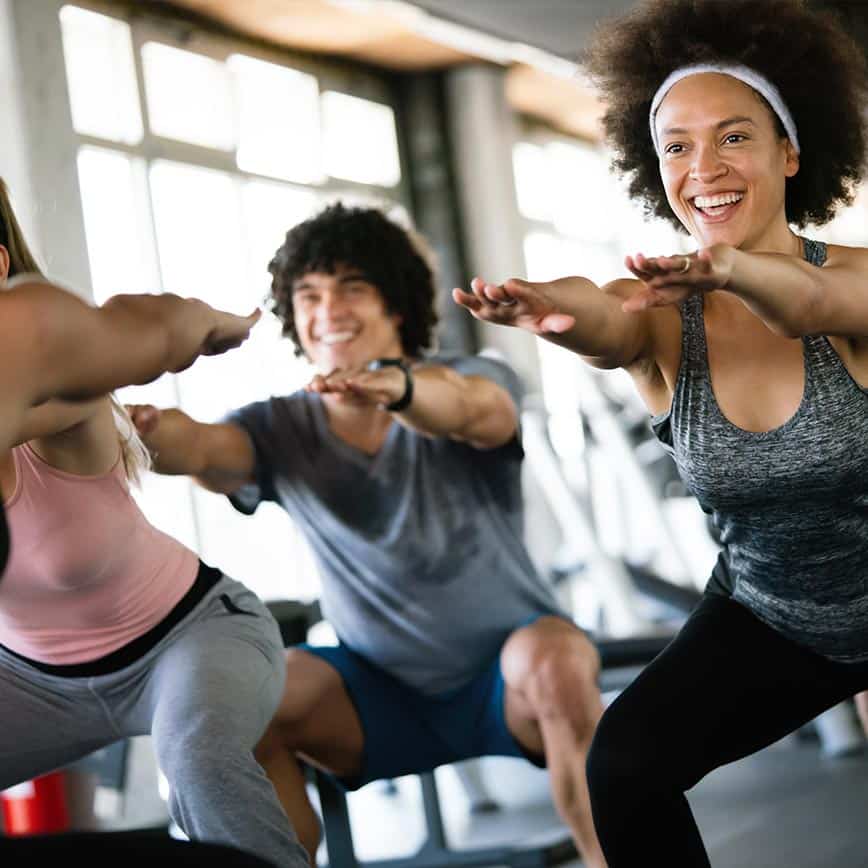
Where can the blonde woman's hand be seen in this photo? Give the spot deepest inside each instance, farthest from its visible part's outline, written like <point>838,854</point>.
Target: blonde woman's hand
<point>228,332</point>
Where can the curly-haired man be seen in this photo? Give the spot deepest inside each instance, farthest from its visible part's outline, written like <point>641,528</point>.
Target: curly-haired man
<point>402,470</point>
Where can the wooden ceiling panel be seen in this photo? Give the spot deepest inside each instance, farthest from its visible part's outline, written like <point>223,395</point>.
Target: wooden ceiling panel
<point>322,27</point>
<point>569,105</point>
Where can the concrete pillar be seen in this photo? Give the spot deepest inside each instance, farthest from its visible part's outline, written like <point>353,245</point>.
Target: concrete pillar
<point>483,131</point>
<point>434,200</point>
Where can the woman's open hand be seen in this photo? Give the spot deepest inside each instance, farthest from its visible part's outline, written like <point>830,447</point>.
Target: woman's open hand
<point>515,303</point>
<point>671,279</point>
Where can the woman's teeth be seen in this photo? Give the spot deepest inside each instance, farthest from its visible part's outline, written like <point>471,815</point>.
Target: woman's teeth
<point>713,206</point>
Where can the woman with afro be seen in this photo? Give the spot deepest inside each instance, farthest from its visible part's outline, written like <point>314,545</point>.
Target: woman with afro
<point>742,122</point>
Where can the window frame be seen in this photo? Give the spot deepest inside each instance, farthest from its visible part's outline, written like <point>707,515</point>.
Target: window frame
<point>46,107</point>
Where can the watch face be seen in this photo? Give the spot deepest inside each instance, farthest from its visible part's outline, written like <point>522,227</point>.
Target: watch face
<point>378,364</point>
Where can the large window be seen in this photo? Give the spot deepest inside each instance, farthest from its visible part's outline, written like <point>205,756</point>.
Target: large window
<point>193,161</point>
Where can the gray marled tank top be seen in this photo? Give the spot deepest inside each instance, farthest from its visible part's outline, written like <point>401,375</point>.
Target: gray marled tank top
<point>791,504</point>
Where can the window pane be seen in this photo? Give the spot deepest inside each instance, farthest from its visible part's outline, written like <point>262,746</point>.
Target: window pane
<point>279,124</point>
<point>359,198</point>
<point>270,210</point>
<point>201,240</point>
<point>167,501</point>
<point>549,257</point>
<point>116,222</point>
<point>583,178</point>
<point>202,219</point>
<point>100,73</point>
<point>533,187</point>
<point>848,227</point>
<point>638,233</point>
<point>199,237</point>
<point>265,551</point>
<point>361,143</point>
<point>189,97</point>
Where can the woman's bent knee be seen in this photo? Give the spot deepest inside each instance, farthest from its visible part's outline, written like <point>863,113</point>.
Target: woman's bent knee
<point>623,751</point>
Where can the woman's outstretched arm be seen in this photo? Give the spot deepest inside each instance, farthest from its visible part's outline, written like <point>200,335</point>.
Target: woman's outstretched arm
<point>791,296</point>
<point>572,312</point>
<point>59,346</point>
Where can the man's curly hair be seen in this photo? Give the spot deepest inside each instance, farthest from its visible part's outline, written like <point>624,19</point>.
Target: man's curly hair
<point>390,257</point>
<point>818,69</point>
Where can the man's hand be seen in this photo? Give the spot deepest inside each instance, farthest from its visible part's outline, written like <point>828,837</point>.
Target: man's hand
<point>672,279</point>
<point>379,388</point>
<point>516,303</point>
<point>145,417</point>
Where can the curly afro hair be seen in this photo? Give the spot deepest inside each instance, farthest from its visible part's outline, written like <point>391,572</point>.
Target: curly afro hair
<point>818,69</point>
<point>391,258</point>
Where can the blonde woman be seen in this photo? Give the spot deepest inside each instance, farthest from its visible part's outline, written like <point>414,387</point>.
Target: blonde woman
<point>108,627</point>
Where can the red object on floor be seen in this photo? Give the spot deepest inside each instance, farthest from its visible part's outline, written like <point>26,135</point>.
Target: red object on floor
<point>36,807</point>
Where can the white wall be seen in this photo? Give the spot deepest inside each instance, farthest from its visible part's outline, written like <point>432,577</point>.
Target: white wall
<point>45,186</point>
<point>14,143</point>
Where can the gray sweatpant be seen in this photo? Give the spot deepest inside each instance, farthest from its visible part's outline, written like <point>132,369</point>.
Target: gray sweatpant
<point>205,693</point>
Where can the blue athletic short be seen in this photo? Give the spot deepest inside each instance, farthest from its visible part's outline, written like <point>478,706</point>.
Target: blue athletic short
<point>408,732</point>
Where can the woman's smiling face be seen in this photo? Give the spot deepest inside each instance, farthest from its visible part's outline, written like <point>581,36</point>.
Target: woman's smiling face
<point>723,162</point>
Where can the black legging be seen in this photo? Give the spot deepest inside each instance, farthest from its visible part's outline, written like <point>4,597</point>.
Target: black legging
<point>724,688</point>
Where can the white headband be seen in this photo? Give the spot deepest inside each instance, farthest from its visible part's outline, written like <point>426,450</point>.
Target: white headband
<point>743,73</point>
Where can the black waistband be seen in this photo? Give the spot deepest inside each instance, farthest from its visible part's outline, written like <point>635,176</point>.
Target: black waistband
<point>206,578</point>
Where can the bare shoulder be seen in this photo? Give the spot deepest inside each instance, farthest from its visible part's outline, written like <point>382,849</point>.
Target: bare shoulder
<point>21,355</point>
<point>20,319</point>
<point>853,349</point>
<point>622,287</point>
<point>34,314</point>
<point>842,256</point>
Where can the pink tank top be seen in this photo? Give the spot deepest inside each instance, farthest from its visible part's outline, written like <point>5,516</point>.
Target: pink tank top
<point>87,573</point>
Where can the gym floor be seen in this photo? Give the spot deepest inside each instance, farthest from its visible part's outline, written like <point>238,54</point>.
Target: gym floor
<point>788,805</point>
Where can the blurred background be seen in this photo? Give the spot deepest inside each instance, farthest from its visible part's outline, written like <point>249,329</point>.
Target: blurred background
<point>168,146</point>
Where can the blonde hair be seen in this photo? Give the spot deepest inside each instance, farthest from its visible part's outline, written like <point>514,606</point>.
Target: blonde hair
<point>21,260</point>
<point>135,455</point>
<point>137,459</point>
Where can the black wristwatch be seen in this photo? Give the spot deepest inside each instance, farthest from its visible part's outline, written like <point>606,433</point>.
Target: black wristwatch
<point>404,401</point>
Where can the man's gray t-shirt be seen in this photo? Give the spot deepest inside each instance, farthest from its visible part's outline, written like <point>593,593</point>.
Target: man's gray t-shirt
<point>420,547</point>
